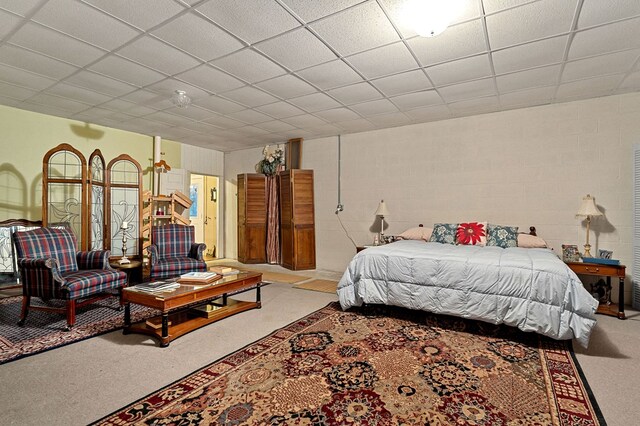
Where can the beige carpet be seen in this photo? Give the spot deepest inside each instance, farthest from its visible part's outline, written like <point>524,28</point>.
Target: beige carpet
<point>272,277</point>
<point>325,286</point>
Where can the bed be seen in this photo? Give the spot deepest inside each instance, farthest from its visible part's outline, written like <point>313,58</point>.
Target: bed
<point>528,288</point>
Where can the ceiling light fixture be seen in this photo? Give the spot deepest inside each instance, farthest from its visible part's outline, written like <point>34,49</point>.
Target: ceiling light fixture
<point>430,17</point>
<point>180,99</point>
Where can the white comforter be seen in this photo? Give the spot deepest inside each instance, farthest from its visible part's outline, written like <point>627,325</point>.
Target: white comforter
<point>527,288</point>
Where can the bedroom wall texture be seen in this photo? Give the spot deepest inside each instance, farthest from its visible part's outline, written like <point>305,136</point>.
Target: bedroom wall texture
<point>27,136</point>
<point>521,167</point>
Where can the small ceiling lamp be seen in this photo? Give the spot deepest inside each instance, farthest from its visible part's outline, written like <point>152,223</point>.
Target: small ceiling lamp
<point>430,17</point>
<point>180,99</point>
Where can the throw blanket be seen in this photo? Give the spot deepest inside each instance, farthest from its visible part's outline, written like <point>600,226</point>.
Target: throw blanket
<point>527,288</point>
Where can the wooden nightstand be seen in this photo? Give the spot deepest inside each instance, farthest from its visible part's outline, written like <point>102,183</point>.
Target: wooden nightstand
<point>608,271</point>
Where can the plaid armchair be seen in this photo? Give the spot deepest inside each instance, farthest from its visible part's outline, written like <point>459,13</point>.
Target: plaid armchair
<point>173,251</point>
<point>51,268</point>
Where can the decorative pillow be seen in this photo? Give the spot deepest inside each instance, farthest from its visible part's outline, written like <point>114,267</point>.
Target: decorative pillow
<point>444,233</point>
<point>417,233</point>
<point>472,233</point>
<point>531,241</point>
<point>502,236</point>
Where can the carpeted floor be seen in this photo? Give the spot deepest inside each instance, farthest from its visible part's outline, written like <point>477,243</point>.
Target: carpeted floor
<point>43,331</point>
<point>325,286</point>
<point>379,366</point>
<point>268,276</point>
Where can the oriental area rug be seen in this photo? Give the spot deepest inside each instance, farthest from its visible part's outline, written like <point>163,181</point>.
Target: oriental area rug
<point>379,366</point>
<point>44,330</point>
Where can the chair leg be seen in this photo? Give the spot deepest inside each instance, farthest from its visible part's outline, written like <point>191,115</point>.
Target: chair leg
<point>26,301</point>
<point>71,313</point>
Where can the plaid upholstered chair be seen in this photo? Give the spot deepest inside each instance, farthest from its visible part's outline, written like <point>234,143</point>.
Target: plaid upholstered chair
<point>52,268</point>
<point>174,252</point>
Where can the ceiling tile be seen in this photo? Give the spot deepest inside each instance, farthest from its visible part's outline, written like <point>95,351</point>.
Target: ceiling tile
<point>251,131</point>
<point>22,7</point>
<point>305,120</point>
<point>545,52</point>
<point>536,77</point>
<point>360,28</point>
<point>165,117</point>
<point>58,102</point>
<point>280,110</point>
<point>52,43</point>
<point>197,36</point>
<point>391,120</point>
<point>469,90</point>
<point>402,83</point>
<point>456,42</point>
<point>618,36</point>
<point>430,113</point>
<point>390,59</point>
<point>100,83</point>
<point>250,116</point>
<point>158,55</point>
<point>275,126</point>
<point>314,102</point>
<point>15,92</point>
<point>24,78</point>
<point>224,122</point>
<point>210,79</point>
<point>149,99</point>
<point>379,106</point>
<point>249,66</point>
<point>286,86</point>
<point>201,127</point>
<point>329,75</point>
<point>470,9</point>
<point>297,49</point>
<point>337,114</point>
<point>117,105</point>
<point>417,99</point>
<point>125,70</point>
<point>475,106</point>
<point>358,125</point>
<point>192,112</point>
<point>460,70</point>
<point>251,20</point>
<point>86,23</point>
<point>143,14</point>
<point>218,104</point>
<point>355,93</point>
<point>168,87</point>
<point>590,88</point>
<point>614,63</point>
<point>493,6</point>
<point>528,97</point>
<point>94,113</point>
<point>632,82</point>
<point>595,12</point>
<point>535,20</point>
<point>34,62</point>
<point>312,10</point>
<point>250,96</point>
<point>77,93</point>
<point>8,23</point>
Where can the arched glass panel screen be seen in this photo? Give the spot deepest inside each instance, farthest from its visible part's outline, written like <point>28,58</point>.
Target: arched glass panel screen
<point>97,197</point>
<point>125,186</point>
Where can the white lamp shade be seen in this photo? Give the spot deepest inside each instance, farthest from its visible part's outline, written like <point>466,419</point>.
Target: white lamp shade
<point>588,207</point>
<point>382,209</point>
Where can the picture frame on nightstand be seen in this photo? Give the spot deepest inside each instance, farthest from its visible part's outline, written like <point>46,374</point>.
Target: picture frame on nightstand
<point>570,253</point>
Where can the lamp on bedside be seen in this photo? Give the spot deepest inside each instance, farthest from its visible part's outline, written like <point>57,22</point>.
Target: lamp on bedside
<point>382,212</point>
<point>588,209</point>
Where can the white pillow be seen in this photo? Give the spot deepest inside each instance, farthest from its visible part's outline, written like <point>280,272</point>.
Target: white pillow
<point>531,241</point>
<point>417,233</point>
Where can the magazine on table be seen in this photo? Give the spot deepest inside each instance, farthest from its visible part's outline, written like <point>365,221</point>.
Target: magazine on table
<point>224,270</point>
<point>199,278</point>
<point>157,286</point>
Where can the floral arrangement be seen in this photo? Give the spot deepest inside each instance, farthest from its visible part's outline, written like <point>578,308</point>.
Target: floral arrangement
<point>273,158</point>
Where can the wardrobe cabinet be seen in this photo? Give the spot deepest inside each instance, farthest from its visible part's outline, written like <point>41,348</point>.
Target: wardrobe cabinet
<point>252,218</point>
<point>297,225</point>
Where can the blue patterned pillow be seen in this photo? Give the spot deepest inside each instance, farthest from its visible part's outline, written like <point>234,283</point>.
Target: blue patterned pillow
<point>502,236</point>
<point>444,233</point>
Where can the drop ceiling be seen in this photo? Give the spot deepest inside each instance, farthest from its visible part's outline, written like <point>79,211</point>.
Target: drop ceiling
<point>264,71</point>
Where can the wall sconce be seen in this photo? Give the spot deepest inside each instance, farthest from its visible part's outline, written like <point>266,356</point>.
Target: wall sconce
<point>214,194</point>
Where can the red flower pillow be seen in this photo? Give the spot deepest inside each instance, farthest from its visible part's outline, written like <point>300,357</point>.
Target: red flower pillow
<point>472,233</point>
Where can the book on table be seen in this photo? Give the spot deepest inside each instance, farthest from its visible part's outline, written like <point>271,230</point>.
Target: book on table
<point>199,278</point>
<point>224,270</point>
<point>157,286</point>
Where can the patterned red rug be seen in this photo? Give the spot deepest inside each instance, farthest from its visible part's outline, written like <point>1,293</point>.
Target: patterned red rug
<point>43,331</point>
<point>380,366</point>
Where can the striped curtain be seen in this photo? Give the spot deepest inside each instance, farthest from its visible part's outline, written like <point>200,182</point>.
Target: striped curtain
<point>273,219</point>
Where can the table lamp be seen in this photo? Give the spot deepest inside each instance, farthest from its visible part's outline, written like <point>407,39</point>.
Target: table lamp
<point>588,209</point>
<point>382,212</point>
<point>124,258</point>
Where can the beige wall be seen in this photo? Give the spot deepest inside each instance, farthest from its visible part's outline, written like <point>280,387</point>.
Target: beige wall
<point>26,137</point>
<point>522,167</point>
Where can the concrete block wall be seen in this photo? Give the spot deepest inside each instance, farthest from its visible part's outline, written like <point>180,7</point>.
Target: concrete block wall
<point>522,167</point>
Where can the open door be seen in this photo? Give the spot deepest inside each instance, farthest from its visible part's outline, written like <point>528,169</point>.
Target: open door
<point>204,192</point>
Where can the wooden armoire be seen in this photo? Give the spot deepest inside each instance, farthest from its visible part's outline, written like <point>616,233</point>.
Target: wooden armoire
<point>297,225</point>
<point>252,218</point>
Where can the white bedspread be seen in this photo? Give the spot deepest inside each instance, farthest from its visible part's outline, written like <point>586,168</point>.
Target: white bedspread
<point>527,288</point>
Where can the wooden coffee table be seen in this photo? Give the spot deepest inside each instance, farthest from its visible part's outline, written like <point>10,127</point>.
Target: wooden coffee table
<point>176,305</point>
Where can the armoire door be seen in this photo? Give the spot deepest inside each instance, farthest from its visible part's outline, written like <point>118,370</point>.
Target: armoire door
<point>252,218</point>
<point>298,220</point>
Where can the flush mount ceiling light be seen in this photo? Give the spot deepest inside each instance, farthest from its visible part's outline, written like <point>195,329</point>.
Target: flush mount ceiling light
<point>180,99</point>
<point>430,17</point>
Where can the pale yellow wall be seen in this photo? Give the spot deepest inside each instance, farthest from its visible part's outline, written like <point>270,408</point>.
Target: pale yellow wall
<point>26,136</point>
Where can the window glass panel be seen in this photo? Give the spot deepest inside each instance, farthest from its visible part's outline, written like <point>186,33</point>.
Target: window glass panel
<point>65,207</point>
<point>124,207</point>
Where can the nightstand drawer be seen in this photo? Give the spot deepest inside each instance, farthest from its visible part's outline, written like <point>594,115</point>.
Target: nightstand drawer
<point>595,269</point>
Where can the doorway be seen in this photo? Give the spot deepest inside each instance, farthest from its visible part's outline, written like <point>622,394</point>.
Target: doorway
<point>204,192</point>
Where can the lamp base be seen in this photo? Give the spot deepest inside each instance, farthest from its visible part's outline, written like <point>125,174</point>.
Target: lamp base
<point>124,260</point>
<point>587,250</point>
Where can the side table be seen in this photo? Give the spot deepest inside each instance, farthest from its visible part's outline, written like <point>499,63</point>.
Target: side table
<point>608,271</point>
<point>127,268</point>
